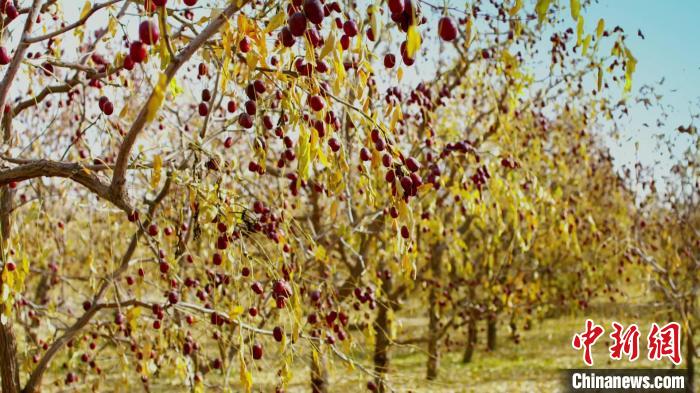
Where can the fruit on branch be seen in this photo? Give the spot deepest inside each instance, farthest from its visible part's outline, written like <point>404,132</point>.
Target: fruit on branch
<point>297,24</point>
<point>412,164</point>
<point>190,3</point>
<point>345,41</point>
<point>257,351</point>
<point>202,69</point>
<point>47,68</point>
<point>128,63</point>
<point>286,37</point>
<point>389,60</point>
<point>277,333</point>
<point>203,109</point>
<point>250,107</point>
<point>245,121</point>
<point>396,6</point>
<point>4,56</point>
<point>404,232</point>
<point>138,52</point>
<point>106,105</point>
<point>316,103</point>
<point>244,45</point>
<point>350,28</point>
<point>314,11</point>
<point>334,144</point>
<point>365,155</point>
<point>282,289</point>
<point>447,29</point>
<point>148,32</point>
<point>257,288</point>
<point>228,142</point>
<point>173,297</point>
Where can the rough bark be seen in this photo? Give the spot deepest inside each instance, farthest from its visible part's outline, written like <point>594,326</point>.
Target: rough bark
<point>434,317</point>
<point>9,371</point>
<point>382,340</point>
<point>491,326</point>
<point>690,361</point>
<point>471,339</point>
<point>318,370</point>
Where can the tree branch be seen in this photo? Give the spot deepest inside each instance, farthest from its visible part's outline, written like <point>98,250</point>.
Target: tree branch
<point>73,171</point>
<point>79,22</point>
<point>119,177</point>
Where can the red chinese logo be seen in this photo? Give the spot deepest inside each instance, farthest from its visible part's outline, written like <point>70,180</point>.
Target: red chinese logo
<point>665,342</point>
<point>586,340</point>
<point>624,342</point>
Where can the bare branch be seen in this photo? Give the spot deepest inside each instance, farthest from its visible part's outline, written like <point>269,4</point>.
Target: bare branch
<point>73,171</point>
<point>18,57</point>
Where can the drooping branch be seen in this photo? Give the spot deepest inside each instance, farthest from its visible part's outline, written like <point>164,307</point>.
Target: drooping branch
<point>119,176</point>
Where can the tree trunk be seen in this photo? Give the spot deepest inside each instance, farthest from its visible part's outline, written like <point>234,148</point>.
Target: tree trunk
<point>491,333</point>
<point>381,346</point>
<point>471,339</point>
<point>382,333</point>
<point>434,316</point>
<point>690,361</point>
<point>9,372</point>
<point>433,338</point>
<point>319,372</point>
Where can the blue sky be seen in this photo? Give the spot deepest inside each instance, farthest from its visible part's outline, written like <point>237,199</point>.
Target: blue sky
<point>671,49</point>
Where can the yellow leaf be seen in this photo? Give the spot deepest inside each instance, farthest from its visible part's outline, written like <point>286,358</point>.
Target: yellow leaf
<point>630,67</point>
<point>87,7</point>
<point>320,253</point>
<point>276,21</point>
<point>413,41</point>
<point>157,166</point>
<point>303,153</point>
<point>575,8</point>
<point>541,8</point>
<point>328,46</point>
<point>600,28</point>
<point>516,7</point>
<point>310,55</point>
<point>245,375</point>
<point>374,21</point>
<point>112,26</point>
<point>579,30</point>
<point>236,311</point>
<point>586,44</point>
<point>252,59</point>
<point>156,100</point>
<point>175,88</point>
